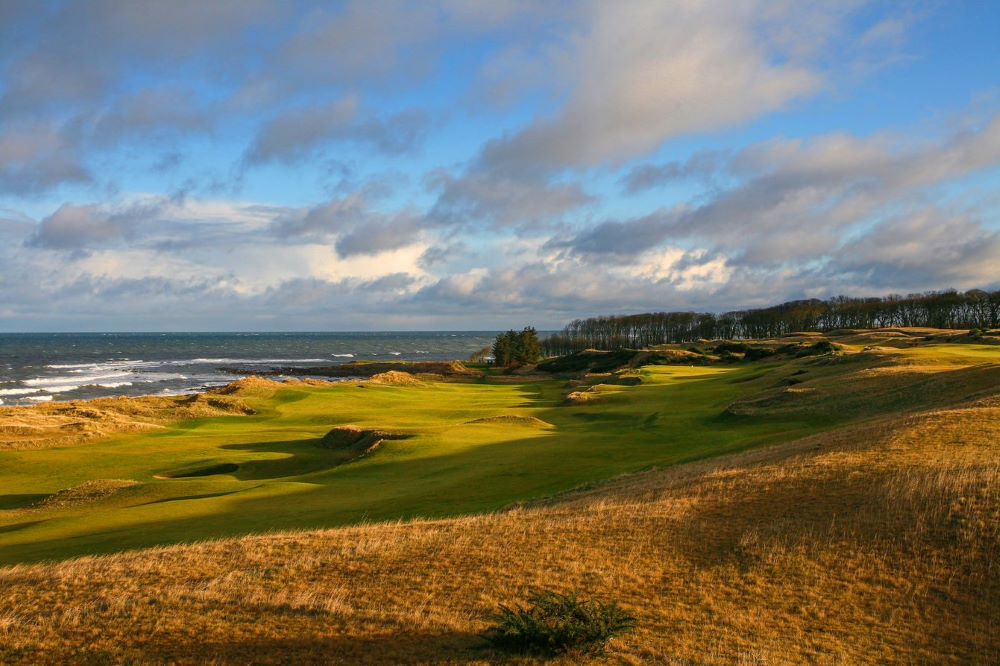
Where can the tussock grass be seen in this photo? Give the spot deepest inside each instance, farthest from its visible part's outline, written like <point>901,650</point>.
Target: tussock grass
<point>395,378</point>
<point>554,623</point>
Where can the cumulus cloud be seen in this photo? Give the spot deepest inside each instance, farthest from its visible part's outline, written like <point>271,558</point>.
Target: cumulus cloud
<point>398,231</point>
<point>151,113</point>
<point>924,249</point>
<point>74,227</point>
<point>355,226</point>
<point>792,201</point>
<point>484,199</point>
<point>36,156</point>
<point>465,154</point>
<point>645,72</point>
<point>648,176</point>
<point>87,48</point>
<point>622,240</point>
<point>299,133</point>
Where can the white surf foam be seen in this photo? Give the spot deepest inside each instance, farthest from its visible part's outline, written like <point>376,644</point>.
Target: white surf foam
<point>254,360</point>
<point>17,391</point>
<point>60,381</point>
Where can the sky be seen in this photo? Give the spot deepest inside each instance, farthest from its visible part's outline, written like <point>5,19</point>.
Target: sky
<point>451,164</point>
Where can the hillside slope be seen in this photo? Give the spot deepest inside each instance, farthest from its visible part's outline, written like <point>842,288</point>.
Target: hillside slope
<point>875,542</point>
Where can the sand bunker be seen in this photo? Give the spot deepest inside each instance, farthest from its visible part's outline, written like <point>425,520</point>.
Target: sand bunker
<point>514,419</point>
<point>355,441</point>
<point>582,397</point>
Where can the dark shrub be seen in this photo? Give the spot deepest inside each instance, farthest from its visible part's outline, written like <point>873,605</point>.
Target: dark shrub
<point>757,353</point>
<point>588,361</point>
<point>823,347</point>
<point>732,347</point>
<point>552,623</point>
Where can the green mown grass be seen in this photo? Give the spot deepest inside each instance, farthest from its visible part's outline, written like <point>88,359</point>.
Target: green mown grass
<point>449,466</point>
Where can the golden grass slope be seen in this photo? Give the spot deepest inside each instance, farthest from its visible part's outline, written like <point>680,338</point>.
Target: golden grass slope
<point>67,423</point>
<point>875,543</point>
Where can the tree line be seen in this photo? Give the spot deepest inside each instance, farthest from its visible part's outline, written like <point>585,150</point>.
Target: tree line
<point>940,309</point>
<point>517,348</point>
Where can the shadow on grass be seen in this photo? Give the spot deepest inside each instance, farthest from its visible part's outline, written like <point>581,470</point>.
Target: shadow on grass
<point>301,456</point>
<point>401,648</point>
<point>190,497</point>
<point>20,501</point>
<point>19,526</point>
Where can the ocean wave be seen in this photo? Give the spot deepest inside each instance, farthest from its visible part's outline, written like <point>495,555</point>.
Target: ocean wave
<point>252,360</point>
<point>48,383</point>
<point>156,377</point>
<point>17,391</point>
<point>343,355</point>
<point>96,365</point>
<point>139,365</point>
<point>39,398</point>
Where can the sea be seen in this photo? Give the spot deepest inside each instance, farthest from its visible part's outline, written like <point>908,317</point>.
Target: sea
<point>43,367</point>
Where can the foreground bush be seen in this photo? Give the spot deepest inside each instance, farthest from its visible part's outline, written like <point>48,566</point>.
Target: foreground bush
<point>553,623</point>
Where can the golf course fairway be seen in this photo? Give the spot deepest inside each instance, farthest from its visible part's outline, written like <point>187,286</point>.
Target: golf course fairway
<point>232,475</point>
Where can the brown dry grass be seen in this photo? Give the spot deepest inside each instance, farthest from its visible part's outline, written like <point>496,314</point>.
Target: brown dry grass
<point>395,378</point>
<point>877,543</point>
<point>67,423</point>
<point>80,421</point>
